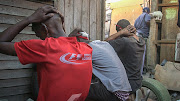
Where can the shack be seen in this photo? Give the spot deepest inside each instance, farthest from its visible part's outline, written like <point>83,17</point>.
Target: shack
<point>15,79</point>
<point>162,39</point>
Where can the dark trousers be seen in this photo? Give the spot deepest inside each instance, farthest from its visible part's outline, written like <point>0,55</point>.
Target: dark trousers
<point>98,92</point>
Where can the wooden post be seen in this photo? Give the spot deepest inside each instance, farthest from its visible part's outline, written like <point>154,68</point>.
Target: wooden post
<point>153,34</point>
<point>103,18</point>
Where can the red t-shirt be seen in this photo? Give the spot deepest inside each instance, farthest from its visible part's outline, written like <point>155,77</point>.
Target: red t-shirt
<point>64,67</point>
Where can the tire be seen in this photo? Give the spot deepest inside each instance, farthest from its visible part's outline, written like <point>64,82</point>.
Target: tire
<point>157,88</point>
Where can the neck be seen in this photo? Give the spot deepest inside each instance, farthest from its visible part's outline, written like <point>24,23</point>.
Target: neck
<point>57,31</point>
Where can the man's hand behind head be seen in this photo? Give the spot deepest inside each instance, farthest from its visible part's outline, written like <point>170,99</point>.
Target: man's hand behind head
<point>42,14</point>
<point>131,29</point>
<point>128,31</point>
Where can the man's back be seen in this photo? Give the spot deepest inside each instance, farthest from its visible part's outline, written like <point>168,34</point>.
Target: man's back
<point>108,68</point>
<point>130,51</point>
<point>64,67</point>
<point>141,24</point>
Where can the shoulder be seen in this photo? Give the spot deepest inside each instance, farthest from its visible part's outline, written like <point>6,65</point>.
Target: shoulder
<point>128,39</point>
<point>147,17</point>
<point>141,40</point>
<point>31,42</point>
<point>98,43</point>
<point>85,45</point>
<point>124,39</point>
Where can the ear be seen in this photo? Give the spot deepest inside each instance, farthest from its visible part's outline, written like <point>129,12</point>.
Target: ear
<point>46,32</point>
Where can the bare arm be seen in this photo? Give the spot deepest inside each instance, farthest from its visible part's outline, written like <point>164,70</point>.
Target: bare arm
<point>6,46</point>
<point>128,31</point>
<point>114,36</point>
<point>9,34</point>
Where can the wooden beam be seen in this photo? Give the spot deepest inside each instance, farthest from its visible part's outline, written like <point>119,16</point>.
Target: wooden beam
<point>26,30</point>
<point>78,13</point>
<point>60,5</point>
<point>10,19</point>
<point>103,18</point>
<point>13,65</point>
<point>19,73</point>
<point>21,97</point>
<point>164,41</point>
<point>98,20</point>
<point>85,15</point>
<point>24,4</point>
<point>168,4</point>
<point>93,22</point>
<point>15,11</point>
<point>15,82</point>
<point>69,16</point>
<point>15,90</point>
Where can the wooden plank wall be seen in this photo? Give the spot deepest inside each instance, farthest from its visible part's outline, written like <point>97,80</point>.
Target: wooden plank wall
<point>169,29</point>
<point>88,15</point>
<point>15,79</point>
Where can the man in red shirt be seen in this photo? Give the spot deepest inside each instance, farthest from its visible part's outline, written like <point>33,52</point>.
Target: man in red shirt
<point>64,65</point>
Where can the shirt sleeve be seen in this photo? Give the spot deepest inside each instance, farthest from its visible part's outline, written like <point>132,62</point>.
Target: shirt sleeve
<point>118,44</point>
<point>31,51</point>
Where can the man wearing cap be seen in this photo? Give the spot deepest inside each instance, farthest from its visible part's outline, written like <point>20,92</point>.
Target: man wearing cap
<point>142,23</point>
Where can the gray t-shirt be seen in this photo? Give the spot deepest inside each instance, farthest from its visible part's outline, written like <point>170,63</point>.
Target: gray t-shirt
<point>130,51</point>
<point>108,67</point>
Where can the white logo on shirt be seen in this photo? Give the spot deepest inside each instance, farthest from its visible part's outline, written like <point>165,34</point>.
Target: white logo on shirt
<point>74,97</point>
<point>73,59</point>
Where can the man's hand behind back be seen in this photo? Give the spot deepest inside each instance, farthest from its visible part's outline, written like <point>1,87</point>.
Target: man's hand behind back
<point>42,14</point>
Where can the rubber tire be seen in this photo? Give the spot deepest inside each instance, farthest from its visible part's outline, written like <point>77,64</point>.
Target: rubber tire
<point>157,88</point>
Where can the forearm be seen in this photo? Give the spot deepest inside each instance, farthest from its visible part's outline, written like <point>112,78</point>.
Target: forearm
<point>114,36</point>
<point>7,48</point>
<point>11,32</point>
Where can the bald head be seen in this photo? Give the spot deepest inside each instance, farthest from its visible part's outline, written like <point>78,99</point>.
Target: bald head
<point>57,18</point>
